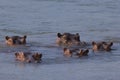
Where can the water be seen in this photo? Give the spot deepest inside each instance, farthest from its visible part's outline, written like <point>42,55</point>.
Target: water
<point>41,20</point>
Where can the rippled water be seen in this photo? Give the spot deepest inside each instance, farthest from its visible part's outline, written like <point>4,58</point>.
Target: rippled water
<point>41,20</point>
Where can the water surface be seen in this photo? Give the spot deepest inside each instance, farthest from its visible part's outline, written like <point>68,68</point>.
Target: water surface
<point>41,20</point>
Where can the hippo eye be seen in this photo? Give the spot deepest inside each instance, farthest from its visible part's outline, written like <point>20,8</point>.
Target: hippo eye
<point>66,37</point>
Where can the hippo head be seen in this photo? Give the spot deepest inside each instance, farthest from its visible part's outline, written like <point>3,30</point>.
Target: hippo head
<point>102,46</point>
<point>37,57</point>
<point>96,46</point>
<point>15,40</point>
<point>83,53</point>
<point>107,46</point>
<point>68,39</point>
<point>67,52</point>
<point>20,56</point>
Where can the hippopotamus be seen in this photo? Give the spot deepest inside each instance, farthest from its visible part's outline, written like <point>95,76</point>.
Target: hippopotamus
<point>15,40</point>
<point>102,46</point>
<point>69,39</point>
<point>28,57</point>
<point>79,53</point>
<point>67,52</point>
<point>82,53</point>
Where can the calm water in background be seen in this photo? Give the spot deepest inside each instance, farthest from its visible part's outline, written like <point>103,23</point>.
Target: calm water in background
<point>40,20</point>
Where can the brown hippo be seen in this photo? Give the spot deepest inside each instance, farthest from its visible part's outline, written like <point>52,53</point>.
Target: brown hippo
<point>68,39</point>
<point>15,40</point>
<point>103,46</point>
<point>28,57</point>
<point>67,52</point>
<point>82,53</point>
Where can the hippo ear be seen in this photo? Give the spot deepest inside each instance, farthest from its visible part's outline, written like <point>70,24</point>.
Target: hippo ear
<point>59,35</point>
<point>77,34</point>
<point>81,51</point>
<point>87,51</point>
<point>40,55</point>
<point>16,54</point>
<point>25,36</point>
<point>6,37</point>
<point>77,37</point>
<point>93,43</point>
<point>64,49</point>
<point>110,44</point>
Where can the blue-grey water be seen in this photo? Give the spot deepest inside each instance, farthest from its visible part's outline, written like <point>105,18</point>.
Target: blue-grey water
<point>41,20</point>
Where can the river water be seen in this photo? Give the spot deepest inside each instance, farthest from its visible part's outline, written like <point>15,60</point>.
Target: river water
<point>41,20</point>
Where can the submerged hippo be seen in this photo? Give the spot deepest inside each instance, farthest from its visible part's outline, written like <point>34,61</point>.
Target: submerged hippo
<point>79,53</point>
<point>28,57</point>
<point>103,46</point>
<point>68,39</point>
<point>67,52</point>
<point>82,53</point>
<point>15,40</point>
